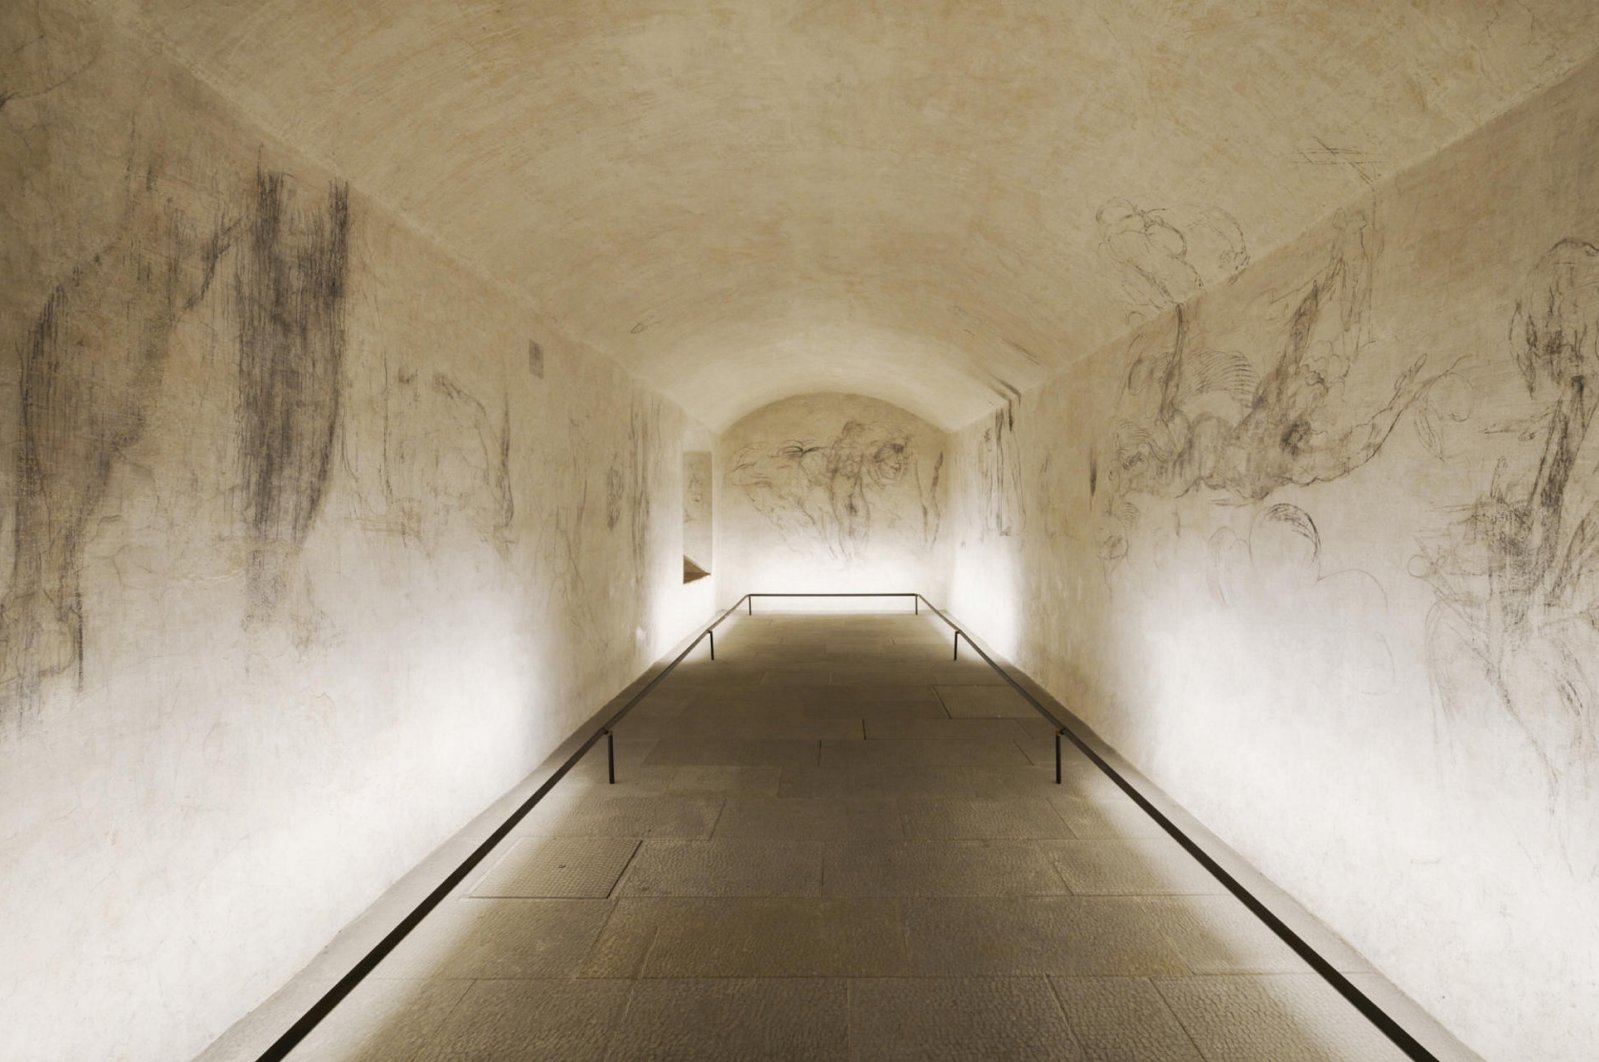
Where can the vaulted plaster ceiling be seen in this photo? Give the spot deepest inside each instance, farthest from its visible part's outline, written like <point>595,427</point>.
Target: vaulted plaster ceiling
<point>932,203</point>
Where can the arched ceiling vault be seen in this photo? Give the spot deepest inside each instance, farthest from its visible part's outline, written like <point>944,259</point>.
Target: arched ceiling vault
<point>933,203</point>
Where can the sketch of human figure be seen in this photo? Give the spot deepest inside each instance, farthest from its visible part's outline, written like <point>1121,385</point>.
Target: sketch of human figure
<point>826,492</point>
<point>485,494</point>
<point>1195,418</point>
<point>1517,615</point>
<point>999,471</point>
<point>90,371</point>
<point>1554,335</point>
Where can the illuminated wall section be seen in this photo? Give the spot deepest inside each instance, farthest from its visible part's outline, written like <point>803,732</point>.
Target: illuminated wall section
<point>314,545</point>
<point>832,492</point>
<point>1316,548</point>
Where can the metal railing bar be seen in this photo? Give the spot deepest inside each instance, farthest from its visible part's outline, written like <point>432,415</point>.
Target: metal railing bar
<point>1358,999</point>
<point>915,596</point>
<point>1368,1008</point>
<point>959,634</point>
<point>319,1010</point>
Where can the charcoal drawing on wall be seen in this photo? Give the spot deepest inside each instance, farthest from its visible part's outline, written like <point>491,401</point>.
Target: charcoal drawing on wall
<point>1164,256</point>
<point>697,514</point>
<point>999,472</point>
<point>484,494</point>
<point>90,368</point>
<point>290,280</point>
<point>834,493</point>
<point>1274,575</point>
<point>643,470</point>
<point>1195,418</point>
<point>1516,624</point>
<point>446,457</point>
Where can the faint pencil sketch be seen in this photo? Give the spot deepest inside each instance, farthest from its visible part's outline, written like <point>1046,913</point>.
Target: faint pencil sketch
<point>697,484</point>
<point>1516,623</point>
<point>644,463</point>
<point>1274,574</point>
<point>41,56</point>
<point>615,495</point>
<point>402,512</point>
<point>999,473</point>
<point>445,457</point>
<point>826,493</point>
<point>570,544</point>
<point>928,499</point>
<point>1363,164</point>
<point>1164,256</point>
<point>1192,418</point>
<point>488,498</point>
<point>698,530</point>
<point>91,368</point>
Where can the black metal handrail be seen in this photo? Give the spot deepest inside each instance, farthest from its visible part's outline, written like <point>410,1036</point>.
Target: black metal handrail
<point>1358,999</point>
<point>918,601</point>
<point>319,1010</point>
<point>1368,1007</point>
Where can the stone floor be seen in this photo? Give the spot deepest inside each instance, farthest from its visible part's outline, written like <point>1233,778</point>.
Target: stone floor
<point>833,842</point>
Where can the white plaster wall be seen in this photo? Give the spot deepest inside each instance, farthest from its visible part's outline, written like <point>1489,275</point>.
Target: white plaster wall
<point>1295,548</point>
<point>698,512</point>
<point>275,621</point>
<point>832,492</point>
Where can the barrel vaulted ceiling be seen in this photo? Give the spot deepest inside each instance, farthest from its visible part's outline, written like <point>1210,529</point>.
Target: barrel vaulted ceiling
<point>933,203</point>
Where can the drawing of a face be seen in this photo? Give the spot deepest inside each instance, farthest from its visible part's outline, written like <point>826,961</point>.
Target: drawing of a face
<point>890,460</point>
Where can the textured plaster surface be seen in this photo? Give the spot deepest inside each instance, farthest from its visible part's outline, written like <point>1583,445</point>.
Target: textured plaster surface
<point>318,496</point>
<point>311,544</point>
<point>1316,549</point>
<point>925,204</point>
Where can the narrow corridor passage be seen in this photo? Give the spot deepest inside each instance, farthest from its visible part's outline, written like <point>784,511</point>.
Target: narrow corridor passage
<point>834,842</point>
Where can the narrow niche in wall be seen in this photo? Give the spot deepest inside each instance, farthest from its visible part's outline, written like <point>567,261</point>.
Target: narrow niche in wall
<point>696,516</point>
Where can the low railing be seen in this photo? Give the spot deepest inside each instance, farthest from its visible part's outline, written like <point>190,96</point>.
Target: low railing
<point>332,997</point>
<point>1368,1007</point>
<point>917,601</point>
<point>1395,1032</point>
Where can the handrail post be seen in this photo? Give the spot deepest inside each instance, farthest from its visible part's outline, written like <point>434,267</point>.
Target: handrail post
<point>342,988</point>
<point>713,643</point>
<point>916,604</point>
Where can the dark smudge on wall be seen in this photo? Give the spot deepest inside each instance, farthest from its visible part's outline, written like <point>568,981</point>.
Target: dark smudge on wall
<point>90,368</point>
<point>289,286</point>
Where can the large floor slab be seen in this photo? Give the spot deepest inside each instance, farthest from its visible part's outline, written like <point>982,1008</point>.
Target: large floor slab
<point>835,843</point>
